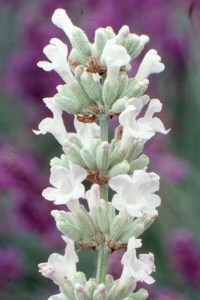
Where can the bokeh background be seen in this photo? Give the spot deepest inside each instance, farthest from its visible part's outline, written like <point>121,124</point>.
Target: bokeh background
<point>27,231</point>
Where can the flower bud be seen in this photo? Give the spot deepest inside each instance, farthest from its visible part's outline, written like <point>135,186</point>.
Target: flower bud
<point>62,161</point>
<point>112,144</point>
<point>103,157</point>
<point>135,88</point>
<point>117,155</point>
<point>145,99</point>
<point>74,154</point>
<point>137,227</point>
<point>91,86</point>
<point>88,159</point>
<point>122,34</point>
<point>109,282</point>
<point>118,227</point>
<point>135,44</point>
<point>138,164</point>
<point>78,91</point>
<point>96,142</point>
<point>100,293</point>
<point>133,151</point>
<point>77,57</point>
<point>132,230</point>
<point>103,220</point>
<point>111,213</point>
<point>78,72</point>
<point>142,294</point>
<point>120,292</point>
<point>85,225</point>
<point>109,32</point>
<point>65,223</point>
<point>91,286</point>
<point>119,105</point>
<point>80,42</point>
<point>109,92</point>
<point>100,41</point>
<point>119,169</point>
<point>79,278</point>
<point>68,103</point>
<point>68,290</point>
<point>94,216</point>
<point>80,292</point>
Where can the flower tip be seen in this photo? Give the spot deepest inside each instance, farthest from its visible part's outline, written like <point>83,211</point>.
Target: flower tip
<point>105,146</point>
<point>162,67</point>
<point>61,20</point>
<point>66,144</point>
<point>101,289</point>
<point>123,32</point>
<point>55,213</point>
<point>153,215</point>
<point>144,39</point>
<point>58,13</point>
<point>79,288</point>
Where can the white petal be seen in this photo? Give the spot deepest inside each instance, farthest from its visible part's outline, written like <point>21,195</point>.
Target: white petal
<point>53,125</point>
<point>77,174</point>
<point>50,193</point>
<point>77,192</point>
<point>70,257</point>
<point>57,52</point>
<point>45,65</point>
<point>93,196</point>
<point>150,64</point>
<point>154,106</point>
<point>58,175</point>
<point>61,20</point>
<point>86,132</point>
<point>136,269</point>
<point>114,57</point>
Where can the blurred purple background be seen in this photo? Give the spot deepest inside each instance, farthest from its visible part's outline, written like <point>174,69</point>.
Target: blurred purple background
<point>28,233</point>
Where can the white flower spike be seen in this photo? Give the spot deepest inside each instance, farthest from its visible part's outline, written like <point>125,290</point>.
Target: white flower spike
<point>150,64</point>
<point>98,89</point>
<point>57,53</point>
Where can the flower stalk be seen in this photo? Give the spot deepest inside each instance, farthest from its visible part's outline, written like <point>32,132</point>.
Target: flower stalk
<point>102,263</point>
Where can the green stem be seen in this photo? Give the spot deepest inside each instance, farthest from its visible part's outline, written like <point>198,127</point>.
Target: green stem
<point>103,120</point>
<point>102,264</point>
<point>103,251</point>
<point>104,192</point>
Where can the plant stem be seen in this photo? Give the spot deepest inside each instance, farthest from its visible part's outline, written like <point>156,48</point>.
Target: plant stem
<point>103,251</point>
<point>104,192</point>
<point>103,120</point>
<point>102,263</point>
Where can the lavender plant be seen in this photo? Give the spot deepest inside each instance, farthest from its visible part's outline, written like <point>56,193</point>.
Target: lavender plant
<point>97,89</point>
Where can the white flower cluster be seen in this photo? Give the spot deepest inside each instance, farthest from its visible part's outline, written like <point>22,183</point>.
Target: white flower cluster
<point>97,89</point>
